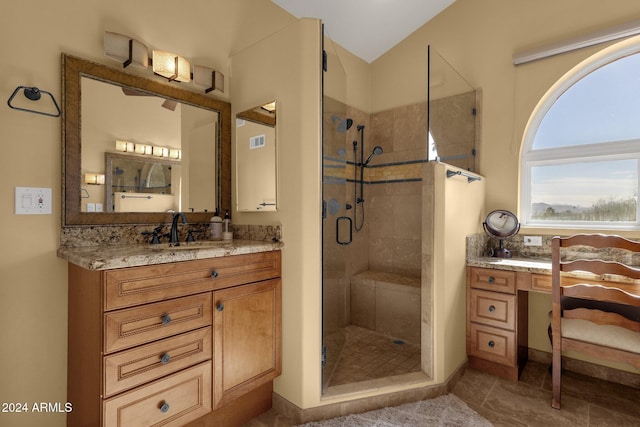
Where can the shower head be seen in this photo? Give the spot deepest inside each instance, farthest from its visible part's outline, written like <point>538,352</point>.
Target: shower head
<point>377,150</point>
<point>343,124</point>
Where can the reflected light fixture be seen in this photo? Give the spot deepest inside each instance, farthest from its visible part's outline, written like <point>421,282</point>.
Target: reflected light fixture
<point>171,66</point>
<point>208,78</point>
<point>125,50</point>
<point>94,178</point>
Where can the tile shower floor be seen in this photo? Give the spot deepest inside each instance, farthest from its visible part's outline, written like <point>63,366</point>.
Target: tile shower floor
<point>368,355</point>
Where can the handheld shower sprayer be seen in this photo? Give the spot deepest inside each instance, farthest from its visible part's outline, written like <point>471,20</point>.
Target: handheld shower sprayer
<point>377,150</point>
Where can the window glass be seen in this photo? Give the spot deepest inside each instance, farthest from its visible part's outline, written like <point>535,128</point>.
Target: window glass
<point>603,106</point>
<point>586,191</point>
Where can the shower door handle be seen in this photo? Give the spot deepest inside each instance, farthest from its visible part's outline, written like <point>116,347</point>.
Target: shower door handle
<point>348,219</point>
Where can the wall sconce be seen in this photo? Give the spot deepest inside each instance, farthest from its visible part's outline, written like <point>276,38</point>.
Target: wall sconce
<point>94,178</point>
<point>209,78</point>
<point>125,50</point>
<point>171,66</point>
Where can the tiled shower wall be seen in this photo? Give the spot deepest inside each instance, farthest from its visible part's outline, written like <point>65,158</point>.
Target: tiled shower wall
<point>391,235</point>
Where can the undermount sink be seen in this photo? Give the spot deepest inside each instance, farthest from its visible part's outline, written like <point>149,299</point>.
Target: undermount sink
<point>204,244</point>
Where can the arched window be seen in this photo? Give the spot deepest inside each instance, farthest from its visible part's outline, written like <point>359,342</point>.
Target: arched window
<point>581,152</point>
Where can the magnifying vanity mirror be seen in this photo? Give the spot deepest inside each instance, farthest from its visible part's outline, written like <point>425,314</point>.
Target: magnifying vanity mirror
<point>501,225</point>
<point>256,159</point>
<point>161,148</point>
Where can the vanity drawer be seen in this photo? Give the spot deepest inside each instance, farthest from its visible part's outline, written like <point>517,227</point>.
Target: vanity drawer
<point>492,344</point>
<point>140,285</point>
<point>493,309</point>
<point>171,401</point>
<point>131,368</point>
<point>492,280</point>
<point>139,325</point>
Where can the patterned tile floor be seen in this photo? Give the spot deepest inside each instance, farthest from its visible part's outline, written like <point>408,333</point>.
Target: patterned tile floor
<point>586,401</point>
<point>367,355</point>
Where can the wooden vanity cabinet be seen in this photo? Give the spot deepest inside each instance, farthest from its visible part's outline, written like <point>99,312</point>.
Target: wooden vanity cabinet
<point>173,344</point>
<point>497,337</point>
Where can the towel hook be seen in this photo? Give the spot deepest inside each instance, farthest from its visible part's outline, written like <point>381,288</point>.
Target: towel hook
<point>34,94</point>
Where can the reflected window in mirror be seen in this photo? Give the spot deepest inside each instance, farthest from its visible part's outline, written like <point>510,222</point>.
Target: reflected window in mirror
<point>256,159</point>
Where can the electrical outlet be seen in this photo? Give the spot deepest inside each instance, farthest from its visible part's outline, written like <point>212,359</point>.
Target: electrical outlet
<point>32,201</point>
<point>98,207</point>
<point>91,207</point>
<point>533,240</point>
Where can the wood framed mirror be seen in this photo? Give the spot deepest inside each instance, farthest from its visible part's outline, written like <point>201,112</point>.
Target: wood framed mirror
<point>74,70</point>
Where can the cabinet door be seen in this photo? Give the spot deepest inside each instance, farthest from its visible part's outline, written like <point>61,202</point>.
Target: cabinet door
<point>247,325</point>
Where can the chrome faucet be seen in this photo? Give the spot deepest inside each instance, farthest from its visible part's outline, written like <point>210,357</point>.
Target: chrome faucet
<point>173,239</point>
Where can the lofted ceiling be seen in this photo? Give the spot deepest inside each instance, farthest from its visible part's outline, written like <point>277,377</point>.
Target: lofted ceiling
<point>367,28</point>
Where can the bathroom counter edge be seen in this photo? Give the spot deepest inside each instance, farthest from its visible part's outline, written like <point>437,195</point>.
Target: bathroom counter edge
<point>107,257</point>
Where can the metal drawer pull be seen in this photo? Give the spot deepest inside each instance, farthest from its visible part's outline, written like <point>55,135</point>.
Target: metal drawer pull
<point>166,319</point>
<point>220,306</point>
<point>492,308</point>
<point>164,407</point>
<point>492,344</point>
<point>165,358</point>
<point>492,279</point>
<point>214,274</point>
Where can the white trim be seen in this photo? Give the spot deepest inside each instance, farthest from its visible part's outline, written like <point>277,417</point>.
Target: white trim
<point>587,40</point>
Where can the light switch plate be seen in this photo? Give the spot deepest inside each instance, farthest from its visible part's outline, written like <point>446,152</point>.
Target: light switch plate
<point>33,201</point>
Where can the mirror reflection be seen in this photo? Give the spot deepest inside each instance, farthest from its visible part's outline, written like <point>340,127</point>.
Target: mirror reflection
<point>452,115</point>
<point>151,130</point>
<point>256,158</point>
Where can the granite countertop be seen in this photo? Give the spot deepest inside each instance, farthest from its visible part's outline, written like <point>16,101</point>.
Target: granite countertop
<point>531,265</point>
<point>108,257</point>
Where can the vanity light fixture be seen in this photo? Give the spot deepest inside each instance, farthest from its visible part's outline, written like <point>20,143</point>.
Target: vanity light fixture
<point>125,146</point>
<point>175,153</point>
<point>160,151</point>
<point>94,178</point>
<point>143,149</point>
<point>208,78</point>
<point>125,50</point>
<point>171,66</point>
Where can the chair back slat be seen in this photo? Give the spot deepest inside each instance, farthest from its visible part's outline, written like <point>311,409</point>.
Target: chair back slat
<point>601,293</point>
<point>597,266</point>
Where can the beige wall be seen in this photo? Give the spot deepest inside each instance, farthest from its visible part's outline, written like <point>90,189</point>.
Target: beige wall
<point>298,96</point>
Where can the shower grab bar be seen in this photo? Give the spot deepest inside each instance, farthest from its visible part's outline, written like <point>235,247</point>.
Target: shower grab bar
<point>470,177</point>
<point>344,218</point>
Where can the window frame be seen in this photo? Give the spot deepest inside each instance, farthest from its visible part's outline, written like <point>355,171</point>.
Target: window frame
<point>601,151</point>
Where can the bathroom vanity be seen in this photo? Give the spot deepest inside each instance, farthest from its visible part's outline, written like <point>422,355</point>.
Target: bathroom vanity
<point>173,336</point>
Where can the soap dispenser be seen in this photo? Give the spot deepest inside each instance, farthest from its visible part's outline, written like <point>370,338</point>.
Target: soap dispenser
<point>227,234</point>
<point>216,227</point>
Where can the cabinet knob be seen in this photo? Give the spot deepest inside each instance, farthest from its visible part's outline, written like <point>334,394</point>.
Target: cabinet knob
<point>220,306</point>
<point>164,407</point>
<point>214,274</point>
<point>165,358</point>
<point>492,344</point>
<point>166,319</point>
<point>492,308</point>
<point>492,279</point>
